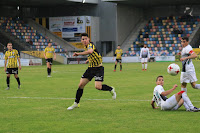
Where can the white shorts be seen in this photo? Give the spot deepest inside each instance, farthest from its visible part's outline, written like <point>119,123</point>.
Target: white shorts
<point>188,77</point>
<point>169,104</point>
<point>144,60</point>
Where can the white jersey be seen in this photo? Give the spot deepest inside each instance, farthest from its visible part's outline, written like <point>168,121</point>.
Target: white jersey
<point>187,65</point>
<point>144,53</point>
<point>156,94</point>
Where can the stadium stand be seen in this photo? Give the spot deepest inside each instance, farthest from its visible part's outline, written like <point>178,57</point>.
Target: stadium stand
<point>162,35</point>
<point>27,34</point>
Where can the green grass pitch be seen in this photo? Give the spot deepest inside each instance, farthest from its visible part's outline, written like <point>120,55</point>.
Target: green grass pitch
<point>40,106</point>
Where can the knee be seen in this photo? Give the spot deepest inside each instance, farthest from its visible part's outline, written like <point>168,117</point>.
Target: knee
<point>98,87</point>
<point>81,86</point>
<point>193,86</point>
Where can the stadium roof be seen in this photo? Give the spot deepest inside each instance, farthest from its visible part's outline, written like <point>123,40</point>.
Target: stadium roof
<point>150,3</point>
<point>45,2</point>
<point>137,3</point>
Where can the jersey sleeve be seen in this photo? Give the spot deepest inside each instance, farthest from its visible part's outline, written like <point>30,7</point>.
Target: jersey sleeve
<point>6,56</point>
<point>189,50</point>
<point>90,46</point>
<point>54,50</point>
<point>17,54</point>
<point>153,99</point>
<point>141,52</point>
<point>45,50</point>
<point>160,89</point>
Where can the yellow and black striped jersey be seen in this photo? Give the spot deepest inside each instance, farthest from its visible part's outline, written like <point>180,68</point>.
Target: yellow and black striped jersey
<point>94,58</point>
<point>49,52</point>
<point>12,57</point>
<point>118,53</point>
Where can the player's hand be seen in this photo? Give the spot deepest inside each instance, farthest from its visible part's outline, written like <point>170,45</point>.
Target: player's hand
<point>45,57</point>
<point>179,53</point>
<point>156,108</point>
<point>20,67</point>
<point>86,61</point>
<point>75,54</point>
<point>182,59</point>
<point>175,86</point>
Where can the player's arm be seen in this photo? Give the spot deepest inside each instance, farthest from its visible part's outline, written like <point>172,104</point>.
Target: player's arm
<point>83,53</point>
<point>165,93</point>
<point>45,54</point>
<point>5,63</point>
<point>141,54</point>
<point>19,63</point>
<point>153,105</point>
<point>54,55</point>
<point>193,55</point>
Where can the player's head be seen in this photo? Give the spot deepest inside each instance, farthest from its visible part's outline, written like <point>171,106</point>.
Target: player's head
<point>9,46</point>
<point>49,44</point>
<point>118,47</point>
<point>85,39</point>
<point>145,45</point>
<point>184,41</point>
<point>160,80</point>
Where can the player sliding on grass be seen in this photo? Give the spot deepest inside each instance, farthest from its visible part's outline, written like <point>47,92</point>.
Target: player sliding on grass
<point>95,69</point>
<point>172,103</point>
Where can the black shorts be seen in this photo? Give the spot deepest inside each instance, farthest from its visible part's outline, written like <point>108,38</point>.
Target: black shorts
<point>94,72</point>
<point>119,60</point>
<point>50,60</point>
<point>12,71</point>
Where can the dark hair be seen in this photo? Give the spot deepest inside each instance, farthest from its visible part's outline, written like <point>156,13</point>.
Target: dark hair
<point>159,77</point>
<point>118,45</point>
<point>9,42</point>
<point>84,34</point>
<point>185,38</point>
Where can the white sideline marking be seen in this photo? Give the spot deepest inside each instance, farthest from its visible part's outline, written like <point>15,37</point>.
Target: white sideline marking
<point>52,98</point>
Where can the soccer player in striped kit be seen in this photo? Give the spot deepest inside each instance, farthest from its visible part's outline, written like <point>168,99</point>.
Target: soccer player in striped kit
<point>95,70</point>
<point>11,57</point>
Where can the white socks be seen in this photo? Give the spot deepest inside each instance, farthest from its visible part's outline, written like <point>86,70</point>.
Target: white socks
<point>186,106</point>
<point>197,86</point>
<point>187,100</point>
<point>142,66</point>
<point>145,66</point>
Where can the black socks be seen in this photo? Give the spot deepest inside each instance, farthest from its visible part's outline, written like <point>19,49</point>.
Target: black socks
<point>79,94</point>
<point>18,81</point>
<point>8,81</point>
<point>106,88</point>
<point>49,71</point>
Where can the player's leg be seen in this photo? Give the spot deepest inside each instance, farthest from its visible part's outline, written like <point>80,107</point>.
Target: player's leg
<point>50,65</point>
<point>86,77</point>
<point>179,100</point>
<point>18,81</point>
<point>195,86</point>
<point>146,59</point>
<point>8,82</point>
<point>99,77</point>
<point>115,65</point>
<point>120,65</point>
<point>142,61</point>
<point>79,93</point>
<point>48,68</point>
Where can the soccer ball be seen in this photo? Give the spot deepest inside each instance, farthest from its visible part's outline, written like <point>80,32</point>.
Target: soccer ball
<point>173,69</point>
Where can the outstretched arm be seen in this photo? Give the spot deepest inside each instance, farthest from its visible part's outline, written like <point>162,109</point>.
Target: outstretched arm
<point>165,93</point>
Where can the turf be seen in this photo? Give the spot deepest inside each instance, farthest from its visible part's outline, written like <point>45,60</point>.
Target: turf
<point>40,106</point>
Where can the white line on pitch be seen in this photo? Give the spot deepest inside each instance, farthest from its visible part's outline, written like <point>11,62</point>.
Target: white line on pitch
<point>51,98</point>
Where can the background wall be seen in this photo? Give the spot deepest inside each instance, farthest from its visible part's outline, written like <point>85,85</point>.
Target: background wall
<point>127,18</point>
